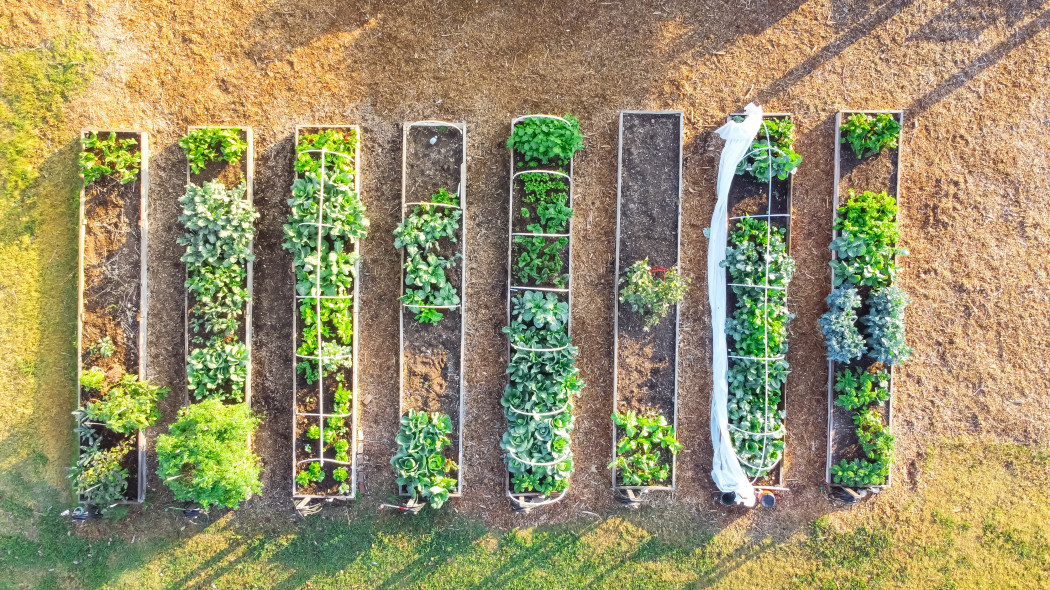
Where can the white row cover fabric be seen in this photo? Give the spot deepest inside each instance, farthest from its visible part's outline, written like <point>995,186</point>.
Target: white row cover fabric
<point>726,470</point>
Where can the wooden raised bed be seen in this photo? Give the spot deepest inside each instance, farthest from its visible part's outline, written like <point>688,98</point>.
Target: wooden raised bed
<point>875,173</point>
<point>299,386</point>
<point>525,502</point>
<point>106,208</point>
<point>748,196</point>
<point>230,175</point>
<point>431,375</point>
<point>648,225</point>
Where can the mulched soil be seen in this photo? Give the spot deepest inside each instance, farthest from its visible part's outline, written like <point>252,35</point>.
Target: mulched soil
<point>969,73</point>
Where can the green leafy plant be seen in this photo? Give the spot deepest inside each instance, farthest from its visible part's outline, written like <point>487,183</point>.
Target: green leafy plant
<point>93,379</point>
<point>642,453</point>
<point>312,473</point>
<point>649,294</point>
<point>867,241</point>
<point>420,463</point>
<point>858,388</point>
<point>538,260</point>
<point>126,406</point>
<point>99,479</point>
<point>420,235</point>
<point>863,391</point>
<point>884,325</point>
<point>101,157</point>
<point>103,348</point>
<point>868,135</point>
<point>208,144</point>
<point>218,369</point>
<point>771,153</point>
<point>340,141</point>
<point>544,139</point>
<point>758,328</point>
<point>314,432</point>
<point>841,336</point>
<point>204,458</point>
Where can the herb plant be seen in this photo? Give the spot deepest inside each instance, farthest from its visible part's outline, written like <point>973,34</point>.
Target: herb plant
<point>420,463</point>
<point>204,458</point>
<point>420,236</point>
<point>208,144</point>
<point>649,294</point>
<point>771,154</point>
<point>841,336</point>
<point>642,453</point>
<point>548,196</point>
<point>542,140</point>
<point>101,157</point>
<point>868,135</point>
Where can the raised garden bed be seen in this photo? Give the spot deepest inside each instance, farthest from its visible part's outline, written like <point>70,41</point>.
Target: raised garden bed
<point>112,293</point>
<point>875,172</point>
<point>326,219</point>
<point>433,259</point>
<point>233,176</point>
<point>757,404</point>
<point>542,377</point>
<point>645,337</point>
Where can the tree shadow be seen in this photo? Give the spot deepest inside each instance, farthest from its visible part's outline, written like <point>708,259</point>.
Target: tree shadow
<point>965,20</point>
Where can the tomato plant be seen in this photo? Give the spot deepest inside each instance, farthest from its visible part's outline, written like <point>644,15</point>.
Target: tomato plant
<point>650,294</point>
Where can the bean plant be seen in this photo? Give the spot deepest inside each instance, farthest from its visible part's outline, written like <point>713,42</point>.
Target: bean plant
<point>420,235</point>
<point>757,257</point>
<point>543,140</point>
<point>771,154</point>
<point>650,294</point>
<point>868,135</point>
<point>420,463</point>
<point>101,157</point>
<point>643,452</point>
<point>208,144</point>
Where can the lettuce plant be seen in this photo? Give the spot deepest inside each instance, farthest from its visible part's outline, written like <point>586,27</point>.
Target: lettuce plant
<point>884,325</point>
<point>868,135</point>
<point>341,141</point>
<point>420,463</point>
<point>419,235</point>
<point>643,452</point>
<point>649,294</point>
<point>208,144</point>
<point>867,242</point>
<point>841,336</point>
<point>543,140</point>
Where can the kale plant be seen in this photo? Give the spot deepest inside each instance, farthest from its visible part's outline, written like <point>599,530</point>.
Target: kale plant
<point>208,144</point>
<point>884,325</point>
<point>841,336</point>
<point>420,463</point>
<point>869,135</point>
<point>101,157</point>
<point>649,294</point>
<point>643,452</point>
<point>543,139</point>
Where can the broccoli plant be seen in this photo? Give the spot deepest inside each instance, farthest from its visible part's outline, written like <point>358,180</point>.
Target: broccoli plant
<point>841,336</point>
<point>869,135</point>
<point>205,458</point>
<point>420,463</point>
<point>544,140</point>
<point>649,294</point>
<point>771,154</point>
<point>642,453</point>
<point>208,144</point>
<point>102,157</point>
<point>420,235</point>
<point>884,325</point>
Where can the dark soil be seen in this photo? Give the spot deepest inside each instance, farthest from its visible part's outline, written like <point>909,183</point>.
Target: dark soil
<point>112,263</point>
<point>648,228</point>
<point>748,196</point>
<point>875,173</point>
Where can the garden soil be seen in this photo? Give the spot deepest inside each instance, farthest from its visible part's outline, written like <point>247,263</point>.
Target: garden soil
<point>969,73</point>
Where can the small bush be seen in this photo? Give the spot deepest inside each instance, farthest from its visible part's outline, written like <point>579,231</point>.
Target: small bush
<point>869,135</point>
<point>649,294</point>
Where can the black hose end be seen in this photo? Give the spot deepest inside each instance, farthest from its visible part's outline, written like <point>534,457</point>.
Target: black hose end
<point>727,498</point>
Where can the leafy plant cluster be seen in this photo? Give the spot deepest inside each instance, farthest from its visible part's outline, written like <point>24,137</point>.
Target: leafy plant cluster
<point>866,250</point>
<point>863,392</point>
<point>208,144</point>
<point>538,260</point>
<point>643,452</point>
<point>544,140</point>
<point>649,294</point>
<point>123,406</point>
<point>537,401</point>
<point>219,226</point>
<point>420,462</point>
<point>204,457</point>
<point>868,135</point>
<point>549,195</point>
<point>757,258</point>
<point>771,154</point>
<point>420,235</point>
<point>341,141</point>
<point>333,442</point>
<point>103,156</point>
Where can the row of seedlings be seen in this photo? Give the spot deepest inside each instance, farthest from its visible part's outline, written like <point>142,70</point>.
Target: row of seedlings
<point>542,378</point>
<point>325,226</point>
<point>646,298</point>
<point>206,457</point>
<point>429,459</point>
<point>114,400</point>
<point>864,327</point>
<point>759,269</point>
